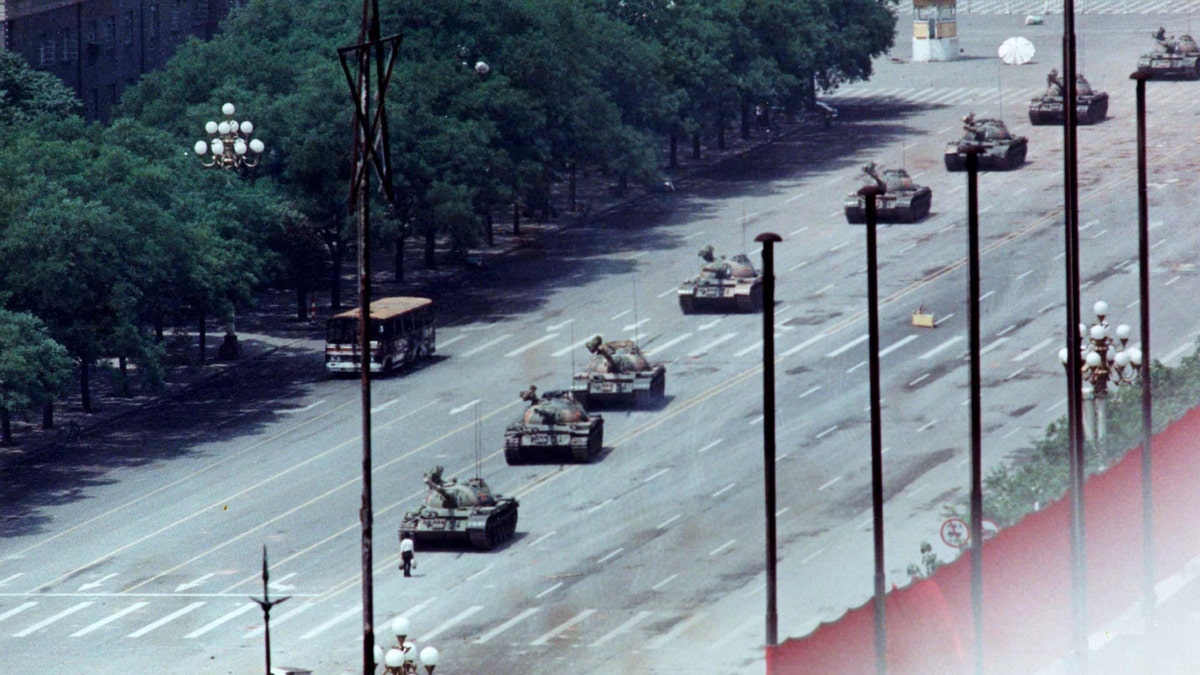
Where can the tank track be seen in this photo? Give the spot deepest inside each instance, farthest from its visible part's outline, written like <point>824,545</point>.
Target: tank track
<point>488,530</point>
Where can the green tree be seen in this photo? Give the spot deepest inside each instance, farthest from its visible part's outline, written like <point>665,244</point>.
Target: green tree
<point>25,92</point>
<point>34,369</point>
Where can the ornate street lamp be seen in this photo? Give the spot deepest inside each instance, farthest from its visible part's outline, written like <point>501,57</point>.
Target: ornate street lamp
<point>229,145</point>
<point>1105,360</point>
<point>403,659</point>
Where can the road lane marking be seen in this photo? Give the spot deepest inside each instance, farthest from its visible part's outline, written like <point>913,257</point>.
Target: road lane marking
<point>715,343</point>
<point>571,348</point>
<point>49,620</point>
<point>442,344</point>
<point>193,584</point>
<point>559,326</point>
<point>95,584</point>
<point>664,582</point>
<point>898,345</point>
<point>524,348</point>
<point>655,475</point>
<point>357,609</point>
<point>490,343</point>
<point>113,617</point>
<point>610,556</point>
<point>480,572</point>
<point>669,343</point>
<point>628,311</point>
<point>710,446</point>
<point>945,345</point>
<point>450,623</point>
<point>542,538</point>
<point>928,425</point>
<point>21,608</point>
<point>723,490</point>
<point>287,616</point>
<point>661,525</point>
<point>464,407</point>
<point>10,578</point>
<point>722,547</point>
<point>506,625</point>
<point>623,628</point>
<point>994,345</point>
<point>306,408</point>
<point>848,346</point>
<point>829,484</point>
<point>919,380</point>
<point>659,641</point>
<point>550,590</point>
<point>635,326</point>
<point>561,628</point>
<point>229,616</point>
<point>828,431</point>
<point>803,345</point>
<point>1033,350</point>
<point>601,505</point>
<point>165,620</point>
<point>812,555</point>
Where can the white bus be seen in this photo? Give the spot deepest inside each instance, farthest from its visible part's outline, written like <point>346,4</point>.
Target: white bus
<point>401,331</point>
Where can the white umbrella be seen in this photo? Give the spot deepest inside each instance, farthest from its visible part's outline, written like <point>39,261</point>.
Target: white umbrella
<point>1016,51</point>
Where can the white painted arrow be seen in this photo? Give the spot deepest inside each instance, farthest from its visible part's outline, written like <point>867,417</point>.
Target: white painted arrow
<point>192,584</point>
<point>280,586</point>
<point>94,584</point>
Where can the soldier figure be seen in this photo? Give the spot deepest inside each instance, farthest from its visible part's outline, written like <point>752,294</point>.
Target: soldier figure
<point>871,170</point>
<point>973,131</point>
<point>1054,84</point>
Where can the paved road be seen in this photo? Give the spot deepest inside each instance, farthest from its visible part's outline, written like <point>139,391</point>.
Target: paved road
<point>145,540</point>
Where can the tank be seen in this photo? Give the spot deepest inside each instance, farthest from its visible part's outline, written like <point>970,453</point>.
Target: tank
<point>722,285</point>
<point>1091,106</point>
<point>999,150</point>
<point>902,201</point>
<point>1172,58</point>
<point>554,424</point>
<point>456,513</point>
<point>619,372</point>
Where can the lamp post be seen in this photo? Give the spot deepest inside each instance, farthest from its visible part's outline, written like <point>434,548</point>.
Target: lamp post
<point>229,146</point>
<point>1105,360</point>
<point>404,659</point>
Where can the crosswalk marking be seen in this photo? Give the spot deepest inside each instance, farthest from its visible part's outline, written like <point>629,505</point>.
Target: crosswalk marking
<point>229,616</point>
<point>165,620</point>
<point>46,622</point>
<point>109,619</point>
<point>562,628</point>
<point>17,610</point>
<point>506,625</point>
<point>296,611</point>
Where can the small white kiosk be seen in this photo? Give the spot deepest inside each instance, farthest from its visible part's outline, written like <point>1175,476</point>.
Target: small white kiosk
<point>935,30</point>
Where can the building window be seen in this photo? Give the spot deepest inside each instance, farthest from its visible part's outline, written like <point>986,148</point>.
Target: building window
<point>129,28</point>
<point>152,19</point>
<point>46,53</point>
<point>67,51</point>
<point>110,32</point>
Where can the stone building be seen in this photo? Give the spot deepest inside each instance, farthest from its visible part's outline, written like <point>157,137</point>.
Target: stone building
<point>100,47</point>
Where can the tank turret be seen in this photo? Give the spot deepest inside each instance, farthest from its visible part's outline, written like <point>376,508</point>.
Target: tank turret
<point>997,149</point>
<point>732,284</point>
<point>902,201</point>
<point>619,372</point>
<point>553,424</point>
<point>455,512</point>
<point>1091,105</point>
<point>1172,58</point>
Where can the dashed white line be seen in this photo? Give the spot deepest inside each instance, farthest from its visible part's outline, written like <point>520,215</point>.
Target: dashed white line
<point>524,348</point>
<point>669,343</point>
<point>848,346</point>
<point>723,490</point>
<point>919,380</point>
<point>550,590</point>
<point>610,556</point>
<point>928,425</point>
<point>828,431</point>
<point>17,610</point>
<point>230,616</point>
<point>811,390</point>
<point>707,348</point>
<point>287,616</point>
<point>829,483</point>
<point>450,623</point>
<point>807,343</point>
<point>898,345</point>
<point>664,582</point>
<point>357,609</point>
<point>507,624</point>
<point>812,555</point>
<point>623,628</point>
<point>466,406</point>
<point>655,475</point>
<point>480,572</point>
<point>442,344</point>
<point>722,547</point>
<point>542,538</point>
<point>661,525</point>
<point>1033,350</point>
<point>601,505</point>
<point>659,641</point>
<point>710,446</point>
<point>563,627</point>
<point>489,343</point>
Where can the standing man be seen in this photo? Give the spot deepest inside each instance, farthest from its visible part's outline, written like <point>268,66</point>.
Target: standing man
<point>406,554</point>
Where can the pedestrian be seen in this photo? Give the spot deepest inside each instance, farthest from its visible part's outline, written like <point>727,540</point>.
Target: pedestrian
<point>406,554</point>
<point>312,313</point>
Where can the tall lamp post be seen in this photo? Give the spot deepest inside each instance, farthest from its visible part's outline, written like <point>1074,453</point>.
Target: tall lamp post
<point>404,659</point>
<point>230,145</point>
<point>1105,360</point>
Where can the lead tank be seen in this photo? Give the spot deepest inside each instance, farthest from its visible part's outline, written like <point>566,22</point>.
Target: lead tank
<point>620,372</point>
<point>902,201</point>
<point>1172,58</point>
<point>456,512</point>
<point>553,424</point>
<point>998,150</point>
<point>722,285</point>
<point>1091,106</point>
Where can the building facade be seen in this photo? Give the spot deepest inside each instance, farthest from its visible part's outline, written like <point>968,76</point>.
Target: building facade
<point>100,47</point>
